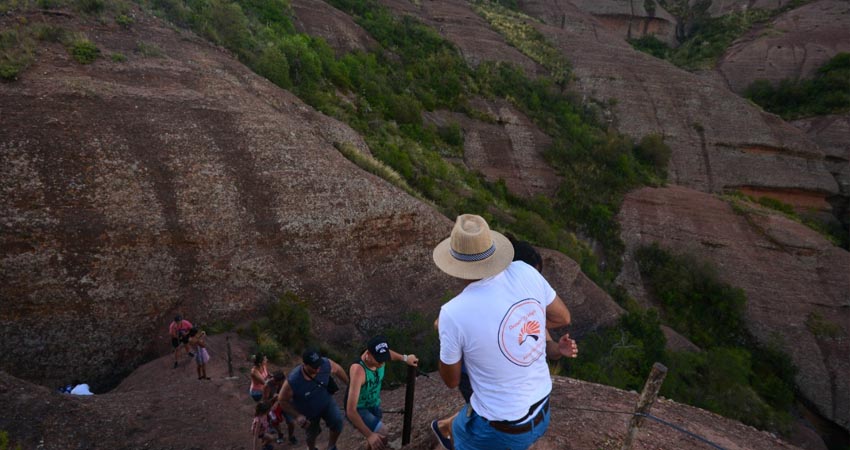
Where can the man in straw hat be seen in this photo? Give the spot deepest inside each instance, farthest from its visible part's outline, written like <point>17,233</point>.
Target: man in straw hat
<point>497,326</point>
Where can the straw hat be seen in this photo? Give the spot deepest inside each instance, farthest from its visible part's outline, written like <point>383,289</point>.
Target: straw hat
<point>473,251</point>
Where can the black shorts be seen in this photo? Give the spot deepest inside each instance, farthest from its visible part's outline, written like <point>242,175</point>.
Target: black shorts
<point>465,387</point>
<point>175,342</point>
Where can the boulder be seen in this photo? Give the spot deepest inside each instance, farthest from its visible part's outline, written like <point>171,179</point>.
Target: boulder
<point>796,283</point>
<point>792,46</point>
<point>184,183</point>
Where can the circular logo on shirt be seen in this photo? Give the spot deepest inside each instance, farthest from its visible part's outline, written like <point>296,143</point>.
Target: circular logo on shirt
<point>522,338</point>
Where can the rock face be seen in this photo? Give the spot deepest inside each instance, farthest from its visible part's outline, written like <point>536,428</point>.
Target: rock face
<point>629,19</point>
<point>183,183</point>
<point>510,149</point>
<point>798,291</point>
<point>317,18</point>
<point>723,7</point>
<point>712,152</point>
<point>792,46</point>
<point>831,134</point>
<point>590,307</point>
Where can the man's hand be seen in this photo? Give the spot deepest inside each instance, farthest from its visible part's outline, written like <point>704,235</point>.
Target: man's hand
<point>302,421</point>
<point>567,346</point>
<point>412,360</point>
<point>376,441</point>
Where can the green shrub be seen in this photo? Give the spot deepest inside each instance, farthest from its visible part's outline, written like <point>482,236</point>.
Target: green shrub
<point>653,151</point>
<point>827,93</point>
<point>124,20</point>
<point>289,321</point>
<point>16,53</point>
<point>651,45</point>
<point>118,57</point>
<point>696,303</point>
<point>5,442</point>
<point>451,134</point>
<point>148,50</point>
<point>93,7</point>
<point>51,33</point>
<point>269,346</point>
<point>83,51</point>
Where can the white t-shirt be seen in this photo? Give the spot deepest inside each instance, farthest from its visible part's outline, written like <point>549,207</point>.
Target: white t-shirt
<point>498,327</point>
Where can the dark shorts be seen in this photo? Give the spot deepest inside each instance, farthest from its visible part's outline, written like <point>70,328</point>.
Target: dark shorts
<point>332,417</point>
<point>175,342</point>
<point>465,386</point>
<point>371,417</point>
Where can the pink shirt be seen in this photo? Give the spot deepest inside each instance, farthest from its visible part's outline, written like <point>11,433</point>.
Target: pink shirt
<point>264,374</point>
<point>174,328</point>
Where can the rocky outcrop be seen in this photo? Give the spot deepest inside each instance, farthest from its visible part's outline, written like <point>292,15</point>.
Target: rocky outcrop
<point>317,18</point>
<point>183,183</point>
<point>590,307</point>
<point>798,291</point>
<point>456,21</point>
<point>723,7</point>
<point>510,149</point>
<point>629,19</point>
<point>831,134</point>
<point>793,46</point>
<point>719,140</point>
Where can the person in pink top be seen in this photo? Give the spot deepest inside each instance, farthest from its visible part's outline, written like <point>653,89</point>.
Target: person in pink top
<point>179,331</point>
<point>259,376</point>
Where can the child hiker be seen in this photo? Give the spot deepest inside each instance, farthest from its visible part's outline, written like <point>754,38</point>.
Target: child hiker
<point>260,428</point>
<point>198,342</point>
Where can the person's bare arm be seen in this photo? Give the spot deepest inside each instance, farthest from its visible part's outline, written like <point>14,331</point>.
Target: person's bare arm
<point>256,377</point>
<point>557,314</point>
<point>285,400</point>
<point>337,370</point>
<point>410,360</point>
<point>450,373</point>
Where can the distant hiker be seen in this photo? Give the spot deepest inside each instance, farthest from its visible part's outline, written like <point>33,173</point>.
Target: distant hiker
<point>179,331</point>
<point>259,376</point>
<point>276,415</point>
<point>363,404</point>
<point>525,252</point>
<point>260,427</point>
<point>306,396</point>
<point>496,327</point>
<point>198,341</point>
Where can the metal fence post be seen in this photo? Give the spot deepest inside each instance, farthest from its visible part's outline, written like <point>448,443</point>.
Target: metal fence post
<point>408,405</point>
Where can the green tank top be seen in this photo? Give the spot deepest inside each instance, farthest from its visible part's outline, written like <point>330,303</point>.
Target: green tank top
<point>370,392</point>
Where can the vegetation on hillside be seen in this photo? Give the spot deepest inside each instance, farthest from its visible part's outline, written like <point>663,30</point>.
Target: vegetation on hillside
<point>732,375</point>
<point>828,92</point>
<point>832,230</point>
<point>703,39</point>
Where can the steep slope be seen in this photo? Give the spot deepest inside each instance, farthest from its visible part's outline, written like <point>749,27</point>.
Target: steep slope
<point>183,182</point>
<point>798,291</point>
<point>719,140</point>
<point>792,46</point>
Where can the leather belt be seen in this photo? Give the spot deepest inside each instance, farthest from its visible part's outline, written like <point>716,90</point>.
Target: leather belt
<point>522,428</point>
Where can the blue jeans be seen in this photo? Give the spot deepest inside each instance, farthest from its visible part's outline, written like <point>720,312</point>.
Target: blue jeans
<point>473,432</point>
<point>371,417</point>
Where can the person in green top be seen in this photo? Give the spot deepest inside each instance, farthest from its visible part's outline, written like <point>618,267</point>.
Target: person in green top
<point>363,405</point>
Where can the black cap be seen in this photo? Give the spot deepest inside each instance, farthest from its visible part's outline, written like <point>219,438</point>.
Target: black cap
<point>312,358</point>
<point>379,348</point>
<point>177,318</point>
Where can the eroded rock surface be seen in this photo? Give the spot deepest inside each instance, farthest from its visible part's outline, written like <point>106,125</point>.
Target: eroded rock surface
<point>184,183</point>
<point>793,46</point>
<point>510,149</point>
<point>630,19</point>
<point>798,291</point>
<point>832,134</point>
<point>317,18</point>
<point>719,140</point>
